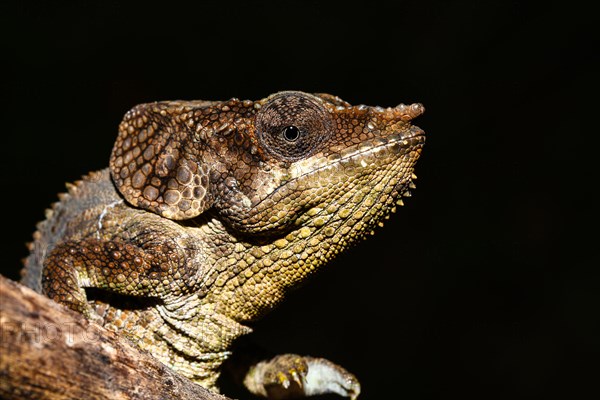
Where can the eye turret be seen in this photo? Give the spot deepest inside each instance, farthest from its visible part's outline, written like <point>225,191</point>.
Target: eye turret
<point>293,125</point>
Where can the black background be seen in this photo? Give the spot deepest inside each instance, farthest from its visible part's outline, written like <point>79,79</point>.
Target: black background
<point>486,285</point>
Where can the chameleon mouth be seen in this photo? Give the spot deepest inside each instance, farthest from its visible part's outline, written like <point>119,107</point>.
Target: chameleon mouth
<point>379,151</point>
<point>398,144</point>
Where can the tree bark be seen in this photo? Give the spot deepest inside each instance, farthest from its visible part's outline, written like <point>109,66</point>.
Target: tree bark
<point>50,352</point>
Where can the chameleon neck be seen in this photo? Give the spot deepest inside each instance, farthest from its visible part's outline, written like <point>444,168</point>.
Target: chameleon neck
<point>251,277</point>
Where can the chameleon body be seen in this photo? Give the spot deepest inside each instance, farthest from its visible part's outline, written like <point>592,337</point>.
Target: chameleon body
<point>211,211</point>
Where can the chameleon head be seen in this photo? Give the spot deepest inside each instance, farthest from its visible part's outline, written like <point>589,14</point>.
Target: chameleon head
<point>263,165</point>
<point>268,165</point>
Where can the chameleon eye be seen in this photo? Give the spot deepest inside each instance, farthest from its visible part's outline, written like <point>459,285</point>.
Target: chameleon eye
<point>291,133</point>
<point>293,125</point>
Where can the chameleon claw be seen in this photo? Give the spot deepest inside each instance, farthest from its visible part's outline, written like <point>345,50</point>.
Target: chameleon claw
<point>291,376</point>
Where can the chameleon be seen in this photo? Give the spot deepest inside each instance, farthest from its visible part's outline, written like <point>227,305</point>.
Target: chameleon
<point>210,212</point>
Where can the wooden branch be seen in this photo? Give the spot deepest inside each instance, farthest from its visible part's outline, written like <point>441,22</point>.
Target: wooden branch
<point>50,352</point>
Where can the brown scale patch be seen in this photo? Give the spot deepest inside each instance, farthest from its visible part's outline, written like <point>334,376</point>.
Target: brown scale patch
<point>152,161</point>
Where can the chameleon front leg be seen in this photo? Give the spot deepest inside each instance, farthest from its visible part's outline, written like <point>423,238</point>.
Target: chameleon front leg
<point>290,376</point>
<point>114,265</point>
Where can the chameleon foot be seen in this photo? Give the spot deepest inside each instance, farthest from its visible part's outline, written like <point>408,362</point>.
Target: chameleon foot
<point>290,376</point>
<point>61,281</point>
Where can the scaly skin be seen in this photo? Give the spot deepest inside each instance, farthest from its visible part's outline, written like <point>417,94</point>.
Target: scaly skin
<point>211,211</point>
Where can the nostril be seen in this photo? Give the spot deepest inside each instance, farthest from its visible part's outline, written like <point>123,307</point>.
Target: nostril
<point>409,111</point>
